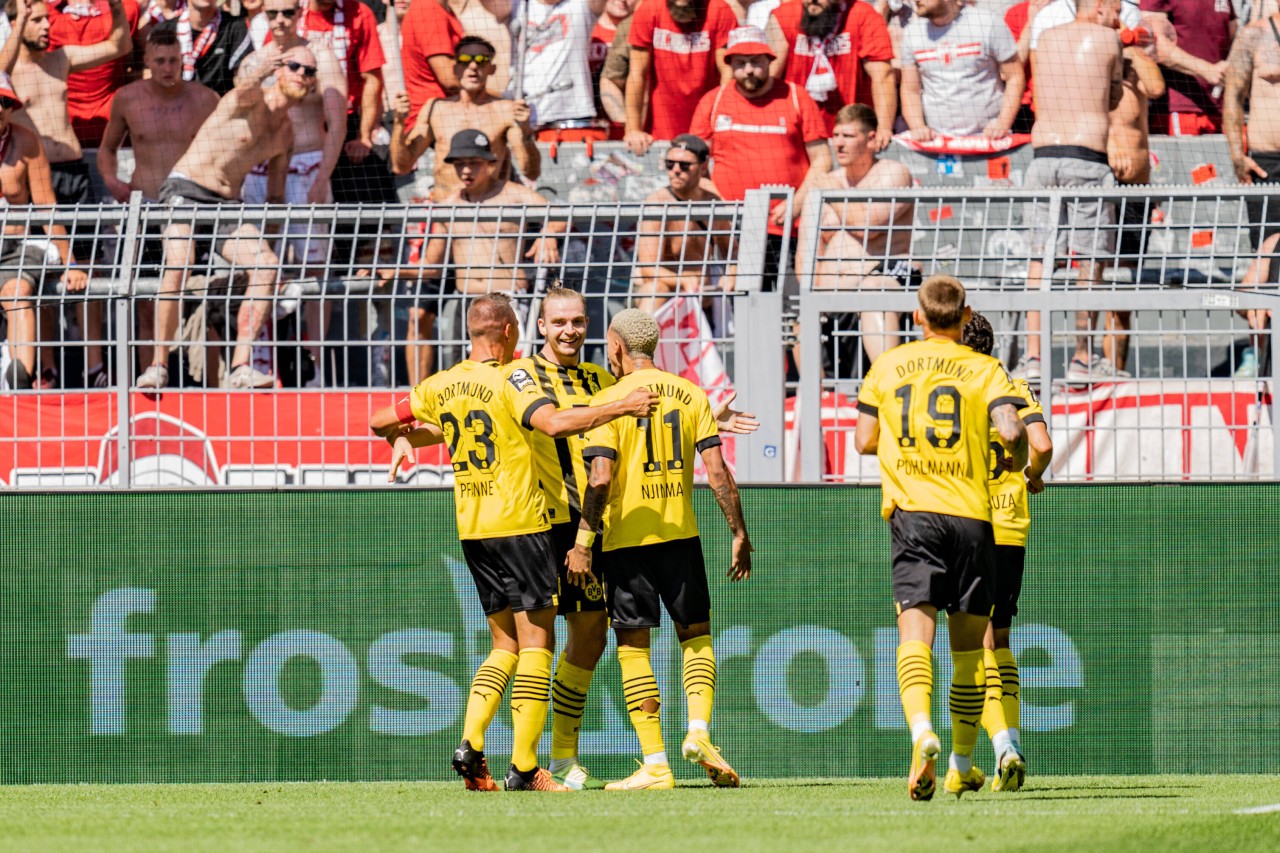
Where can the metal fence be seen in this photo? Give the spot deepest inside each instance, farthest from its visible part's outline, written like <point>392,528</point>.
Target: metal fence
<point>1160,285</point>
<point>336,311</point>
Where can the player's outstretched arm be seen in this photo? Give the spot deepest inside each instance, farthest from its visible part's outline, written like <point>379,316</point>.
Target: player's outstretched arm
<point>733,422</point>
<point>1013,432</point>
<point>578,560</point>
<point>1041,454</point>
<point>726,491</point>
<point>559,423</point>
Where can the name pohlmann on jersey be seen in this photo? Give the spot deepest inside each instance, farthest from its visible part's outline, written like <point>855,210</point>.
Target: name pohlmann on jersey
<point>934,467</point>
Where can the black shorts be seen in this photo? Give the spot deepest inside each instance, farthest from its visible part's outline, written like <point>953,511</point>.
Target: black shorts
<point>72,183</point>
<point>1264,211</point>
<point>1135,216</point>
<point>182,191</point>
<point>513,571</point>
<point>636,579</point>
<point>943,560</point>
<point>573,598</point>
<point>900,270</point>
<point>1010,560</point>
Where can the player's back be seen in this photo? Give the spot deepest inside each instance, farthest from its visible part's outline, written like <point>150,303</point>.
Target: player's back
<point>933,400</point>
<point>560,468</point>
<point>483,415</point>
<point>1009,513</point>
<point>651,499</point>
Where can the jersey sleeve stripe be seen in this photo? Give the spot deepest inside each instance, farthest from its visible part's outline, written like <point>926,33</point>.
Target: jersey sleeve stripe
<point>711,441</point>
<point>527,420</point>
<point>605,452</point>
<point>868,409</point>
<point>1034,418</point>
<point>1016,402</point>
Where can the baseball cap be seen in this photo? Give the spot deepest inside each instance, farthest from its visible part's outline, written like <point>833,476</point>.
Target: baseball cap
<point>6,89</point>
<point>693,144</point>
<point>468,144</point>
<point>748,41</point>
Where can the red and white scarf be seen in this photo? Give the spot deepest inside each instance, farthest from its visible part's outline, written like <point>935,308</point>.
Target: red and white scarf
<point>155,12</point>
<point>190,52</point>
<point>340,42</point>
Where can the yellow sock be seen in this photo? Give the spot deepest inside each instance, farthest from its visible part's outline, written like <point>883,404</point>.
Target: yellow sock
<point>992,710</point>
<point>915,681</point>
<point>530,696</point>
<point>638,688</point>
<point>568,699</point>
<point>699,679</point>
<point>1008,666</point>
<point>968,688</point>
<point>487,687</point>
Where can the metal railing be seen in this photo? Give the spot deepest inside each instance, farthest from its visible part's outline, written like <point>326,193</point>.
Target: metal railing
<point>346,307</point>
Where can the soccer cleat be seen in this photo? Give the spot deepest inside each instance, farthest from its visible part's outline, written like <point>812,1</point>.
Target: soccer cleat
<point>923,779</point>
<point>471,766</point>
<point>578,778</point>
<point>957,783</point>
<point>537,779</point>
<point>698,749</point>
<point>648,777</point>
<point>1011,771</point>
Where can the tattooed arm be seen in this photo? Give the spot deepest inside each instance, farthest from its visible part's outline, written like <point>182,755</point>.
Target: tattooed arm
<point>726,491</point>
<point>1239,79</point>
<point>1013,432</point>
<point>593,503</point>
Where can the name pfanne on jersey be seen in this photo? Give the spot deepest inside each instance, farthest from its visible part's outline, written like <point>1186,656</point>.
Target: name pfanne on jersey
<point>686,43</point>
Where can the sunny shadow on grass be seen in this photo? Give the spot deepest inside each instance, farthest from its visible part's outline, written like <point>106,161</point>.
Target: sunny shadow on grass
<point>1056,813</point>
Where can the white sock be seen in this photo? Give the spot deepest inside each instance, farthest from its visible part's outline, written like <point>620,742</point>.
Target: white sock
<point>921,727</point>
<point>699,726</point>
<point>559,764</point>
<point>1015,738</point>
<point>656,758</point>
<point>1001,743</point>
<point>962,763</point>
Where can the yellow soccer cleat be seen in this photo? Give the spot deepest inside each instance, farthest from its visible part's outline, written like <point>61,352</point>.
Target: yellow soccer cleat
<point>957,783</point>
<point>1011,771</point>
<point>648,777</point>
<point>698,749</point>
<point>923,779</point>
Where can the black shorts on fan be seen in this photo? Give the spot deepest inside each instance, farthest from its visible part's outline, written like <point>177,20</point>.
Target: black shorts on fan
<point>513,571</point>
<point>943,560</point>
<point>639,579</point>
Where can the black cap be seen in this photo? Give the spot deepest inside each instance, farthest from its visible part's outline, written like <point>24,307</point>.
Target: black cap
<point>469,144</point>
<point>693,144</point>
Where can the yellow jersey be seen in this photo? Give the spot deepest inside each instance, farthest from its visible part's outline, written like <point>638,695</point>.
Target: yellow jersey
<point>484,412</point>
<point>1009,513</point>
<point>933,400</point>
<point>561,470</point>
<point>651,497</point>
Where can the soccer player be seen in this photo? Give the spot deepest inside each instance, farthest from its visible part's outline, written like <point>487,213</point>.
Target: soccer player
<point>1011,520</point>
<point>561,470</point>
<point>651,548</point>
<point>485,413</point>
<point>936,401</point>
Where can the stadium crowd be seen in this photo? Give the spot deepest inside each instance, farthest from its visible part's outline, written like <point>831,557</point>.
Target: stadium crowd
<point>441,101</point>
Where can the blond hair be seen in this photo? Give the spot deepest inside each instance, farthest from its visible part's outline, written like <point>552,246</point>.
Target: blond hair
<point>942,301</point>
<point>638,332</point>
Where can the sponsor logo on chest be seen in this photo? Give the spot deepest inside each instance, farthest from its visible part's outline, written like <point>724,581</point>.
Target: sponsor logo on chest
<point>686,43</point>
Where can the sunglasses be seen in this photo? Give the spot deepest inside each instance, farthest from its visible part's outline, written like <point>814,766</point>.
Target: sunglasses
<point>468,58</point>
<point>678,164</point>
<point>7,103</point>
<point>307,70</point>
<point>276,13</point>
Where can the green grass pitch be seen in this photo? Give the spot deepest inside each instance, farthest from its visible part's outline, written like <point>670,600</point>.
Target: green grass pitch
<point>1166,813</point>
